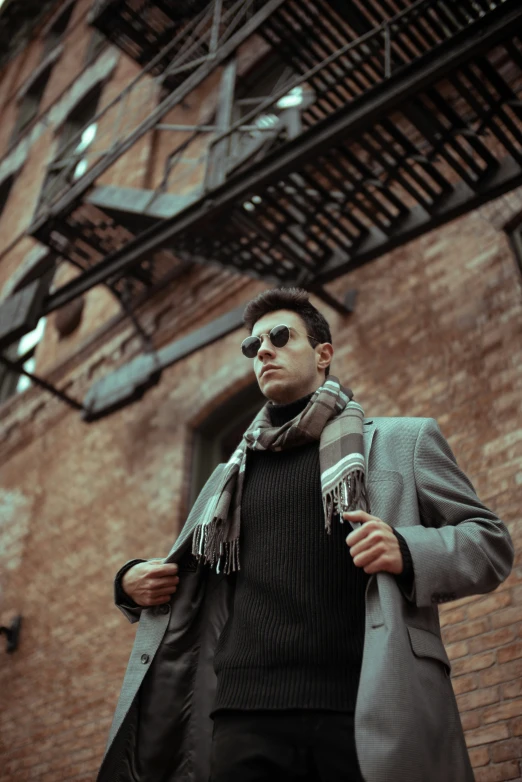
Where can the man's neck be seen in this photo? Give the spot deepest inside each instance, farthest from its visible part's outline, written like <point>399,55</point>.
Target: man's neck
<point>281,413</point>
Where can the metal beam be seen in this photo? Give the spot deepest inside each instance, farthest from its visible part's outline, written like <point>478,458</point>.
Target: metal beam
<point>217,160</point>
<point>350,121</point>
<point>128,383</point>
<point>461,200</point>
<point>38,381</point>
<point>78,189</point>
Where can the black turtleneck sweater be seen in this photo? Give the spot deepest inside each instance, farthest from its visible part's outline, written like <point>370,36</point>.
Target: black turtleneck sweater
<point>295,635</point>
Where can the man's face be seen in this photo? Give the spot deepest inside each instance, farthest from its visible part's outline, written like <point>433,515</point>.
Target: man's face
<point>288,373</point>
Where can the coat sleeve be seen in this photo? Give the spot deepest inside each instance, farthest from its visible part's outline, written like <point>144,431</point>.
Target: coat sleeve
<point>126,604</point>
<point>461,547</point>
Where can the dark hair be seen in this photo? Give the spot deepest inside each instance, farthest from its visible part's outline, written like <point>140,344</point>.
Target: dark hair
<point>295,299</point>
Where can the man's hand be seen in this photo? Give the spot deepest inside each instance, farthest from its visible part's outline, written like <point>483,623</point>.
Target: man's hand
<point>151,583</point>
<point>373,545</point>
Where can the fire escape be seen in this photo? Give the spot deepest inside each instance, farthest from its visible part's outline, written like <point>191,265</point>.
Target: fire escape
<point>386,118</point>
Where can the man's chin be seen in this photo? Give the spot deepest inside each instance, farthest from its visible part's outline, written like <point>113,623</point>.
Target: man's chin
<point>277,391</point>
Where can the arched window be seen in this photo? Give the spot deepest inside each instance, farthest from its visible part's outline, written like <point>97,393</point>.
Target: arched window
<point>219,435</point>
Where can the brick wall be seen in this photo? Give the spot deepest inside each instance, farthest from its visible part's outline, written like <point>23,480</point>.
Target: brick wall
<point>436,332</point>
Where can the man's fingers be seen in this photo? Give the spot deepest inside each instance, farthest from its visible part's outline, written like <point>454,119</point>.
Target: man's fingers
<point>162,585</point>
<point>161,570</point>
<point>357,515</point>
<point>366,556</point>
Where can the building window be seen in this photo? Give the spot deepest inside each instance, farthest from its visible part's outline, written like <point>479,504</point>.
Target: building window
<point>514,232</point>
<point>22,353</point>
<point>57,28</point>
<point>219,435</point>
<point>5,189</point>
<point>75,161</point>
<point>264,79</point>
<point>26,350</point>
<point>30,103</point>
<point>97,42</point>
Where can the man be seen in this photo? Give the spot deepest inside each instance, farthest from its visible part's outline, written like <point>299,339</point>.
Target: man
<point>299,647</point>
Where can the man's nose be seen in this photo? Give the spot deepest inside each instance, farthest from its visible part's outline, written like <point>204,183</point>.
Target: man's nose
<point>266,349</point>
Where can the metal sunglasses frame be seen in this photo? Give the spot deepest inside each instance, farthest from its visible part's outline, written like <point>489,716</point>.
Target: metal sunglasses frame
<point>247,342</point>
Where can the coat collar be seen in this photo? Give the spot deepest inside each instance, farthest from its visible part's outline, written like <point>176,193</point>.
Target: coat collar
<point>369,430</point>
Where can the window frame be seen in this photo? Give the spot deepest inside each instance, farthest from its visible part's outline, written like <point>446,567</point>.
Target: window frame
<point>209,435</point>
<point>56,28</point>
<point>514,234</point>
<point>5,191</point>
<point>31,98</point>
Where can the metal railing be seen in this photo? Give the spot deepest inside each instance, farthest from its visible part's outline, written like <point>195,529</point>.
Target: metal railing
<point>345,74</point>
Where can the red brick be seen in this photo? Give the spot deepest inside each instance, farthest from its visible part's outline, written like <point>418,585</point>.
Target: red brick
<point>466,630</point>
<point>471,720</point>
<point>472,700</point>
<point>508,616</point>
<point>498,773</point>
<point>490,604</point>
<point>492,640</point>
<point>504,672</point>
<point>479,756</point>
<point>512,689</point>
<point>475,662</point>
<point>511,749</point>
<point>486,735</point>
<point>511,652</point>
<point>516,726</point>
<point>458,649</point>
<point>505,710</point>
<point>454,616</point>
<point>464,683</point>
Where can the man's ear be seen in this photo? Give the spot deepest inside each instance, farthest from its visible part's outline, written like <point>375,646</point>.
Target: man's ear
<point>325,353</point>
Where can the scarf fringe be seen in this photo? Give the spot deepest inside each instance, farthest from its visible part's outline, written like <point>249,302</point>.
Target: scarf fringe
<point>207,541</point>
<point>216,535</point>
<point>349,494</point>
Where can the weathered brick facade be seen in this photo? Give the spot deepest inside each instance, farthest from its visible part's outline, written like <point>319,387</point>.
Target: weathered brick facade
<point>436,332</point>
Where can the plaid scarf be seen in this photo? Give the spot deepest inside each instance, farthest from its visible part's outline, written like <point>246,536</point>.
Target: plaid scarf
<point>332,418</point>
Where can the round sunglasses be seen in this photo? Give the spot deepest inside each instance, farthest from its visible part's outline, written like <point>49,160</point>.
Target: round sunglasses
<point>278,336</point>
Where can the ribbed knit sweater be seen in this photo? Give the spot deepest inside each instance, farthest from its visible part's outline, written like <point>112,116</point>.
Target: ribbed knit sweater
<point>294,638</point>
<point>295,635</point>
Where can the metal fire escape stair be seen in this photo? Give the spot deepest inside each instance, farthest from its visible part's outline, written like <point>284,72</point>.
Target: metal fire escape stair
<point>388,149</point>
<point>415,118</point>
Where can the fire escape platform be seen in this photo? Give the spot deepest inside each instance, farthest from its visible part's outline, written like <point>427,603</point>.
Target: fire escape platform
<point>138,208</point>
<point>428,142</point>
<point>409,115</point>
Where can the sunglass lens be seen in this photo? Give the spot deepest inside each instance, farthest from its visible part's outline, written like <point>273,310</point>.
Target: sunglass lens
<point>279,336</point>
<point>250,346</point>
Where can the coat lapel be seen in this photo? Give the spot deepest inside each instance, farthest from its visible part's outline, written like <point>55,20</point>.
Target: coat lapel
<point>369,430</point>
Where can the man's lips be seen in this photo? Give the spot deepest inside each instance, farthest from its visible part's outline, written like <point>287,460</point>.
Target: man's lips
<point>268,368</point>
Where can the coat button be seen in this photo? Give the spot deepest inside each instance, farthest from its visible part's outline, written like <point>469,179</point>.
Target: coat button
<point>145,658</point>
<point>164,608</point>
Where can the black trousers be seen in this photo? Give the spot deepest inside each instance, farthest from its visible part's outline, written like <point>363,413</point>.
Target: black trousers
<point>284,746</point>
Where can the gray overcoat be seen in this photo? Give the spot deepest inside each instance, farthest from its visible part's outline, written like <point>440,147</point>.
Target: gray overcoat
<point>407,726</point>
